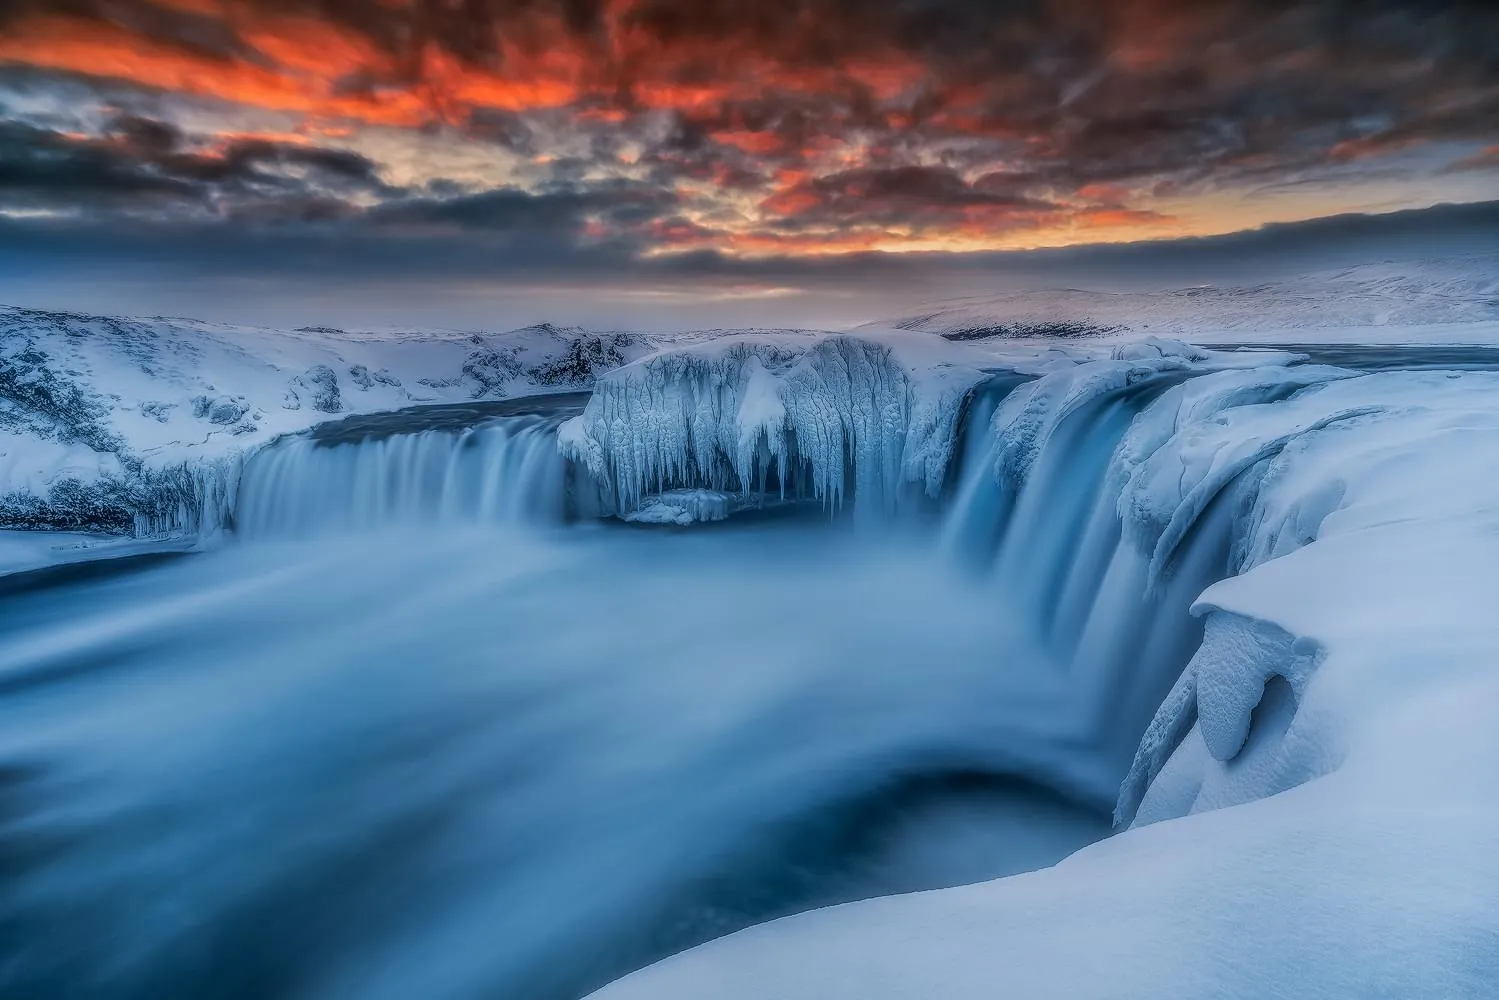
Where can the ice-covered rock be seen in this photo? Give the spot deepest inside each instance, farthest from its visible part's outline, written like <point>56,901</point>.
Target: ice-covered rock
<point>318,387</point>
<point>834,419</point>
<point>684,507</point>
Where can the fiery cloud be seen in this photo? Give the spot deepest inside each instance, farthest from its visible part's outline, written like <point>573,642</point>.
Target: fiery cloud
<point>785,127</point>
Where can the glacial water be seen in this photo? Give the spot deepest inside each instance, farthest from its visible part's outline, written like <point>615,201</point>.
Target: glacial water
<point>416,728</point>
<point>491,761</point>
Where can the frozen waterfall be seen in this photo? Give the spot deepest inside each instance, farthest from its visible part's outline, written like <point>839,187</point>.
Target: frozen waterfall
<point>1130,583</point>
<point>837,420</point>
<point>505,469</point>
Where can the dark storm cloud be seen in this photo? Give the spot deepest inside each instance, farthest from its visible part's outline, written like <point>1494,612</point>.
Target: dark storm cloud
<point>351,250</point>
<point>923,196</point>
<point>144,166</point>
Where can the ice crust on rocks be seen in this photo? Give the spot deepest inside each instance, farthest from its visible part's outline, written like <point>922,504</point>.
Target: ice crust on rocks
<point>867,419</point>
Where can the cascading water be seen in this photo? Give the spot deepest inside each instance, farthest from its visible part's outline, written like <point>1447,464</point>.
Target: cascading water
<point>477,759</point>
<point>1042,505</point>
<point>503,470</point>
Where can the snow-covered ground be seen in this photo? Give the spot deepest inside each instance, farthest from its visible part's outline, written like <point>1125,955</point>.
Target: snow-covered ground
<point>1452,300</point>
<point>107,423</point>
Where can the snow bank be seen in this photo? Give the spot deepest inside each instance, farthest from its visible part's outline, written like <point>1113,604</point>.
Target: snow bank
<point>1314,804</point>
<point>832,418</point>
<point>1444,300</point>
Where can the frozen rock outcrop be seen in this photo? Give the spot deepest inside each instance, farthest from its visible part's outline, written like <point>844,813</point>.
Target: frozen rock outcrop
<point>317,388</point>
<point>836,419</point>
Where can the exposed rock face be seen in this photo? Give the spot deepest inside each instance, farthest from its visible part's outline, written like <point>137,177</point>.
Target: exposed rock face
<point>490,371</point>
<point>317,387</point>
<point>587,359</point>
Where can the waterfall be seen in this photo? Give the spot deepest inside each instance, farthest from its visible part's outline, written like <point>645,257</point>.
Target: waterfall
<point>503,470</point>
<point>1048,493</point>
<point>1052,500</point>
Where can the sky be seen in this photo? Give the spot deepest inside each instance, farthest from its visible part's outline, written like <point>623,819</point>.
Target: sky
<point>784,159</point>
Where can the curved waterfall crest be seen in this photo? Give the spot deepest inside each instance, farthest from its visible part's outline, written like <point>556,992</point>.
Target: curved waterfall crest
<point>1105,494</point>
<point>499,470</point>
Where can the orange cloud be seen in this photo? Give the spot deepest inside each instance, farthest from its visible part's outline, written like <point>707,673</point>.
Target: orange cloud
<point>1119,218</point>
<point>96,48</point>
<point>825,131</point>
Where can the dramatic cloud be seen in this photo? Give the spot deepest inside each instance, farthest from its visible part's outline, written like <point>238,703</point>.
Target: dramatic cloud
<point>631,129</point>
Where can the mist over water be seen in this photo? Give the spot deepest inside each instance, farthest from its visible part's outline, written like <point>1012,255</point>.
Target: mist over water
<point>495,761</point>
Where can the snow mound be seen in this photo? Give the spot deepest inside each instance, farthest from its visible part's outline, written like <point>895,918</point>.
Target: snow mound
<point>683,507</point>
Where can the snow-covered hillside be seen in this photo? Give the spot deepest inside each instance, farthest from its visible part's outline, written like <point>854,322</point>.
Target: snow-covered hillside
<point>1441,300</point>
<point>104,419</point>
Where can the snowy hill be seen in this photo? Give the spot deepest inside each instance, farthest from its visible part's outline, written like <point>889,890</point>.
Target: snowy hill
<point>1441,300</point>
<point>100,416</point>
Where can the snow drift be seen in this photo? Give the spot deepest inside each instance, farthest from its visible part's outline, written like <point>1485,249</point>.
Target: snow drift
<point>1432,300</point>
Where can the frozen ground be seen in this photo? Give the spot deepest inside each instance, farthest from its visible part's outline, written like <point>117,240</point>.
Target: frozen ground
<point>106,422</point>
<point>1452,300</point>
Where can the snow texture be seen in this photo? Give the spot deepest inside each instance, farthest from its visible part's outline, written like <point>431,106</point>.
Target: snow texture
<point>684,507</point>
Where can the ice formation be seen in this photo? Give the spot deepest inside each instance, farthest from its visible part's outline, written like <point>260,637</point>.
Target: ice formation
<point>836,419</point>
<point>684,507</point>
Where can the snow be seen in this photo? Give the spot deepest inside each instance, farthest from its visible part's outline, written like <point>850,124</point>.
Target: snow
<point>1452,300</point>
<point>170,386</point>
<point>1316,798</point>
<point>32,464</point>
